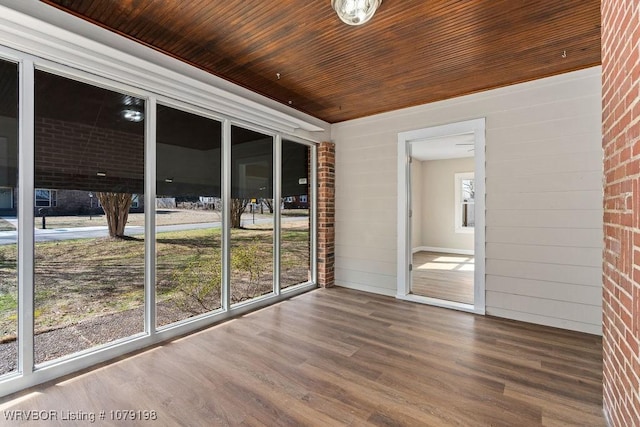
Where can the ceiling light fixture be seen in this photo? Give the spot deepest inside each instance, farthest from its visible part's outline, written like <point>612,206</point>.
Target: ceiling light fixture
<point>355,12</point>
<point>133,115</point>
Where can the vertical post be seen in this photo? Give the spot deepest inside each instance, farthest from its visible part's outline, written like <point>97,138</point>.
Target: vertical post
<point>26,236</point>
<point>150,217</point>
<point>226,216</point>
<point>326,213</point>
<point>277,191</point>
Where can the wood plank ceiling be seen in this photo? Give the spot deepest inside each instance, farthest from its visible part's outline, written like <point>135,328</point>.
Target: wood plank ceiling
<point>412,52</point>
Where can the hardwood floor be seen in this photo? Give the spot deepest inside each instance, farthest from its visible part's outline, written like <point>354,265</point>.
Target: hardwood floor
<point>335,357</point>
<point>443,276</point>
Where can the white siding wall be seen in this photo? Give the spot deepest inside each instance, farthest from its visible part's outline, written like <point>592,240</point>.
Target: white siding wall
<point>543,197</point>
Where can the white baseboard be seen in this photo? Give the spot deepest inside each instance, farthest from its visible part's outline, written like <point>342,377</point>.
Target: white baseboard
<point>442,250</point>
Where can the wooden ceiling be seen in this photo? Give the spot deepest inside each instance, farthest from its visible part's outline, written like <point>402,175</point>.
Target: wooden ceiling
<point>412,52</point>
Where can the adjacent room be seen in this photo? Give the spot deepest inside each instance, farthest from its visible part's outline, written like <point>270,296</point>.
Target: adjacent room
<point>443,218</point>
<point>330,212</point>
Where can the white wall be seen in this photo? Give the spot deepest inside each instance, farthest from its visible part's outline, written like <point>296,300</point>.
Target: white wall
<point>416,203</point>
<point>543,197</point>
<point>438,204</point>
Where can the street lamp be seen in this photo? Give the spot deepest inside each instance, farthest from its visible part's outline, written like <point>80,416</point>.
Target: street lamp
<point>90,205</point>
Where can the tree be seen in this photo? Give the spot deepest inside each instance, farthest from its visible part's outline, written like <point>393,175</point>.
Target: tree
<point>237,209</point>
<point>116,208</point>
<point>269,203</point>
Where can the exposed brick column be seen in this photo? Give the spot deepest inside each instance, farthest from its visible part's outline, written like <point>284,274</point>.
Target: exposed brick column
<point>326,213</point>
<point>621,264</point>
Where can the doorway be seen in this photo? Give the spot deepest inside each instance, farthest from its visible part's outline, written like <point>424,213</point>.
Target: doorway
<point>441,216</point>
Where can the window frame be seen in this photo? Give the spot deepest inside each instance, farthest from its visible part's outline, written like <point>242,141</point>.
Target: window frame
<point>459,202</point>
<point>52,199</point>
<point>30,374</point>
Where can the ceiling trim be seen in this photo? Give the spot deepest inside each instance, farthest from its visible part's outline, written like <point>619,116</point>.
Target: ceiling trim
<point>55,43</point>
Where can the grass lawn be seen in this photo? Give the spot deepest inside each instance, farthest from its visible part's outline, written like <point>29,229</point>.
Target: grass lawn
<point>163,217</point>
<point>84,278</point>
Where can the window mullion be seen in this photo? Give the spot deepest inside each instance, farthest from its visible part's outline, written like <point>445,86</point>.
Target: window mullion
<point>26,203</point>
<point>150,219</point>
<point>277,191</point>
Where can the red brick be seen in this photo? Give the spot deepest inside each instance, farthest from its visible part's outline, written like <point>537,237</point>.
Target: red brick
<point>326,213</point>
<point>621,257</point>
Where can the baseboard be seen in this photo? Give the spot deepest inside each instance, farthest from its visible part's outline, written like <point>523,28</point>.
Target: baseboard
<point>366,288</point>
<point>443,250</point>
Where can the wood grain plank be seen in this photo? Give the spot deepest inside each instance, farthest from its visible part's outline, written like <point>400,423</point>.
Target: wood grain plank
<point>341,357</point>
<point>411,53</point>
<point>443,276</point>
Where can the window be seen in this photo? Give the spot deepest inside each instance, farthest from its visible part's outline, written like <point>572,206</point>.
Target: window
<point>465,202</point>
<point>252,237</point>
<point>295,240</point>
<point>189,262</point>
<point>9,250</point>
<point>46,198</point>
<point>89,289</point>
<point>89,295</point>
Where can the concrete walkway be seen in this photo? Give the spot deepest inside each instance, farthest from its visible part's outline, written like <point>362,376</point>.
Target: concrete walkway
<point>69,233</point>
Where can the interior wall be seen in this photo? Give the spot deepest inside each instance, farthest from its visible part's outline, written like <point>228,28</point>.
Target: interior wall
<point>417,216</point>
<point>543,197</point>
<point>621,142</point>
<point>438,205</point>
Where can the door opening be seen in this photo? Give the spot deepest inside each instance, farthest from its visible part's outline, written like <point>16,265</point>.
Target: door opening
<point>441,216</point>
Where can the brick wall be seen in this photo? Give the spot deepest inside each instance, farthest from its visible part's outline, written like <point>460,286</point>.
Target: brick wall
<point>621,264</point>
<point>326,213</point>
<point>68,156</point>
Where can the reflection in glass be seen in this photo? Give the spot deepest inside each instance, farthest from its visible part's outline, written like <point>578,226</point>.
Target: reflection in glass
<point>8,216</point>
<point>89,249</point>
<point>251,214</point>
<point>188,215</point>
<point>295,215</point>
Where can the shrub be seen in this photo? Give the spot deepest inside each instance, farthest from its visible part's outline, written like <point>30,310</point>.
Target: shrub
<point>198,285</point>
<point>250,260</point>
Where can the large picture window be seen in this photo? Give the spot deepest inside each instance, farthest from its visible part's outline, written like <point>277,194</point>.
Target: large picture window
<point>146,218</point>
<point>8,217</point>
<point>251,214</point>
<point>295,241</point>
<point>89,288</point>
<point>188,215</point>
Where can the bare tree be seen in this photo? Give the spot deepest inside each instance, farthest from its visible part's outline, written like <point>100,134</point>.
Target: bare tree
<point>237,209</point>
<point>269,203</point>
<point>116,208</point>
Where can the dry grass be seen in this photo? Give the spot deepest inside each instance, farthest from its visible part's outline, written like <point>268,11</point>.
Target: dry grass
<point>163,217</point>
<point>80,279</point>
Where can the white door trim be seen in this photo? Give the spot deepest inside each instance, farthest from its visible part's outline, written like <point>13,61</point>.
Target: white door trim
<point>477,126</point>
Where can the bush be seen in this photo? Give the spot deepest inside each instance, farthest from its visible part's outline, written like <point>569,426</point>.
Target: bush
<point>198,285</point>
<point>250,260</point>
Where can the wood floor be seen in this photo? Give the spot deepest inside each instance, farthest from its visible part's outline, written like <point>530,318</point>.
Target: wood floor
<point>335,357</point>
<point>443,276</point>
